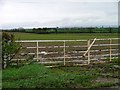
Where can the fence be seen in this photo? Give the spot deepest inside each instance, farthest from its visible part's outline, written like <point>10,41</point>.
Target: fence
<point>69,52</point>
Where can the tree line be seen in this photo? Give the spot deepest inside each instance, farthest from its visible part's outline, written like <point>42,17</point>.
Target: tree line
<point>46,30</point>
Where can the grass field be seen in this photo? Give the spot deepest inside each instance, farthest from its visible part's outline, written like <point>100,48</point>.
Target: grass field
<point>38,76</point>
<point>79,36</point>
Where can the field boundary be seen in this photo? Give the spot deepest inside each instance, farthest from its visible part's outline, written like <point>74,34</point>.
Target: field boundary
<point>62,40</point>
<point>110,48</point>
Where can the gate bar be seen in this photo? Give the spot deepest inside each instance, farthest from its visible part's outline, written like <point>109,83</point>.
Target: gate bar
<point>89,47</point>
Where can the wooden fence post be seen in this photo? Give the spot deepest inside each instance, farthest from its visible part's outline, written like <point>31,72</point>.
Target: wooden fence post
<point>110,49</point>
<point>64,53</point>
<point>88,52</point>
<point>37,52</point>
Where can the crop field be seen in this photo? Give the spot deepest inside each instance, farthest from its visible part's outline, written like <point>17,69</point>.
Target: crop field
<point>67,36</point>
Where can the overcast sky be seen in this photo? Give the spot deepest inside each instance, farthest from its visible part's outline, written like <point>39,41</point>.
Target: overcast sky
<point>58,13</point>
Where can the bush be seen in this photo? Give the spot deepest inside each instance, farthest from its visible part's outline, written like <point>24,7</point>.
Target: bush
<point>9,48</point>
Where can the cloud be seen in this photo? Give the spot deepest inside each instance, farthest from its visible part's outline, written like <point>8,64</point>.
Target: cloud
<point>40,13</point>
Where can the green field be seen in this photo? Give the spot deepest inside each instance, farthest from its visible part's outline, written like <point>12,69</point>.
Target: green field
<point>79,36</point>
<point>37,76</point>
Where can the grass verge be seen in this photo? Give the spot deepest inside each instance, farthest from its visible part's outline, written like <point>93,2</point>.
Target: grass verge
<point>38,76</point>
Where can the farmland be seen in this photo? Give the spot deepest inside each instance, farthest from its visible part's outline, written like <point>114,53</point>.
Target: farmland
<point>32,36</point>
<point>93,75</point>
<point>74,50</point>
<point>60,44</point>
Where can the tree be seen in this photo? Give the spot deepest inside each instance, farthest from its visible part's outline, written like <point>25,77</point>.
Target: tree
<point>9,48</point>
<point>110,30</point>
<point>90,29</point>
<point>44,30</point>
<point>119,29</point>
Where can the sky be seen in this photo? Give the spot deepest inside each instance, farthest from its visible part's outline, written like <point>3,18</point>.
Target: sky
<point>58,13</point>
